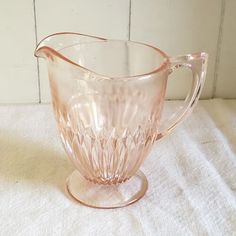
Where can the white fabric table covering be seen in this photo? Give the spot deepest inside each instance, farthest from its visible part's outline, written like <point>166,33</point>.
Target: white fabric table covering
<point>191,173</point>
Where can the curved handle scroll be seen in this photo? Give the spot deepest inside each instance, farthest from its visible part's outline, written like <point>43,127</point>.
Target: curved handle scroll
<point>197,63</point>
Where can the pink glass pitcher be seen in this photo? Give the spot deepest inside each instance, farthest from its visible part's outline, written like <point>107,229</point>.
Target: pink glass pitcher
<point>108,99</point>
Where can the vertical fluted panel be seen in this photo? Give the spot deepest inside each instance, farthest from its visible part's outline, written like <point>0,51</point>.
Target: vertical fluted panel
<point>105,151</point>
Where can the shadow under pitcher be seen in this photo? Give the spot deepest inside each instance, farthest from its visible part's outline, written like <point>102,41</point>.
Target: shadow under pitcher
<point>107,97</point>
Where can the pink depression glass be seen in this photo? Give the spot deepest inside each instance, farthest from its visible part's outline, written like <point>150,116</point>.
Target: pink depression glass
<point>108,98</point>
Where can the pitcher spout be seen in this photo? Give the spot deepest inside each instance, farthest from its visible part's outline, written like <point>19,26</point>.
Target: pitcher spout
<point>43,52</point>
<point>51,46</point>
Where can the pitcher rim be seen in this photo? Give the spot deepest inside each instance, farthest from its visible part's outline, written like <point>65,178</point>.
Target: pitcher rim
<point>163,66</point>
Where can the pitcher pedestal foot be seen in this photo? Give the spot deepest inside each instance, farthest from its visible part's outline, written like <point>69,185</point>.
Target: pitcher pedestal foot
<point>106,196</point>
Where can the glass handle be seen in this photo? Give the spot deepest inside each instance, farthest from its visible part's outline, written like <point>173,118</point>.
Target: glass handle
<point>197,63</point>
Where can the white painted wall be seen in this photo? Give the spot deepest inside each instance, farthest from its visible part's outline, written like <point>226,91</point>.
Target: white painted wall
<point>176,26</point>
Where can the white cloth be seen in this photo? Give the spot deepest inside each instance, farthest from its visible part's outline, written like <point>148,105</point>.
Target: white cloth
<point>191,173</point>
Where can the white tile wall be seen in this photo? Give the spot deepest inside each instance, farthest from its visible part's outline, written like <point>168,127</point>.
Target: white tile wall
<point>176,26</point>
<point>179,27</point>
<point>18,68</point>
<point>226,76</point>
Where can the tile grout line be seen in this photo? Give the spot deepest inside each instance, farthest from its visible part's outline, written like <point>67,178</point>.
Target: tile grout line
<point>218,48</point>
<point>36,42</point>
<point>129,26</point>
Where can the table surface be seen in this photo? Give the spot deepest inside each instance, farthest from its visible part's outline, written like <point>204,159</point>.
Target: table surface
<point>191,173</point>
